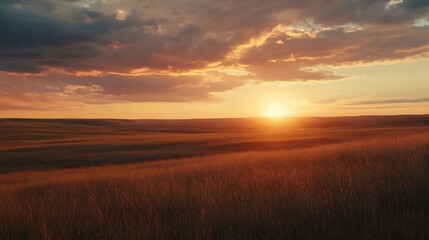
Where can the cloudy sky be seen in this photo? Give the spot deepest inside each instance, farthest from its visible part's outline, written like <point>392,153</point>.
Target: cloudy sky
<point>212,58</point>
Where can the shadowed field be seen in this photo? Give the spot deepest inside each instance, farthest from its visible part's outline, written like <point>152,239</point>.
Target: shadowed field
<point>301,178</point>
<point>30,144</point>
<point>368,189</point>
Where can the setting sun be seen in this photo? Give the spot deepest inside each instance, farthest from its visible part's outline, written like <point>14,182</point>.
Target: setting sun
<point>275,111</point>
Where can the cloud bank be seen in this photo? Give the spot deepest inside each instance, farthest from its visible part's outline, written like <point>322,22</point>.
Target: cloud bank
<point>59,52</point>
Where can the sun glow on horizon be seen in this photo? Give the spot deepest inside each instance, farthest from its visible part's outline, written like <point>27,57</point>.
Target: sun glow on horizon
<point>276,111</point>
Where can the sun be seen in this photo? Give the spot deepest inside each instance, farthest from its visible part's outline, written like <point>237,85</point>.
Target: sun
<point>275,111</point>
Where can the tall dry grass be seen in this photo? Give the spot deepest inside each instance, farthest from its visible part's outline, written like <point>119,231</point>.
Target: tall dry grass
<point>375,189</point>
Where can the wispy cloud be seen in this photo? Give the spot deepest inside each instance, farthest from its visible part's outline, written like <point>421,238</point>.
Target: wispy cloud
<point>389,101</point>
<point>377,107</point>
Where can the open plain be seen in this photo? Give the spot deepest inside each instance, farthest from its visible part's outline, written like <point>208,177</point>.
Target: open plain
<point>298,178</point>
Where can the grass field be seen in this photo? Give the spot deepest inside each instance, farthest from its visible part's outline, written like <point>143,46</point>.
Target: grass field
<point>31,144</point>
<point>286,181</point>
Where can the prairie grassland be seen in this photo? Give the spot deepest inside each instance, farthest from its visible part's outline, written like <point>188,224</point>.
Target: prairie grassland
<point>368,189</point>
<point>41,144</point>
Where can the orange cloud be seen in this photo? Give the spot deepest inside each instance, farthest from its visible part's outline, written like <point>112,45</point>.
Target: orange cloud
<point>168,51</point>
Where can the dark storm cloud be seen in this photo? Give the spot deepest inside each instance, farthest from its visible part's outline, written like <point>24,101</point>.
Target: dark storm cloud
<point>413,4</point>
<point>23,28</point>
<point>31,41</point>
<point>378,12</point>
<point>54,38</point>
<point>174,36</point>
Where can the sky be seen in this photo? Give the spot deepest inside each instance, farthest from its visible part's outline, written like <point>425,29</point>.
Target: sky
<point>212,58</point>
